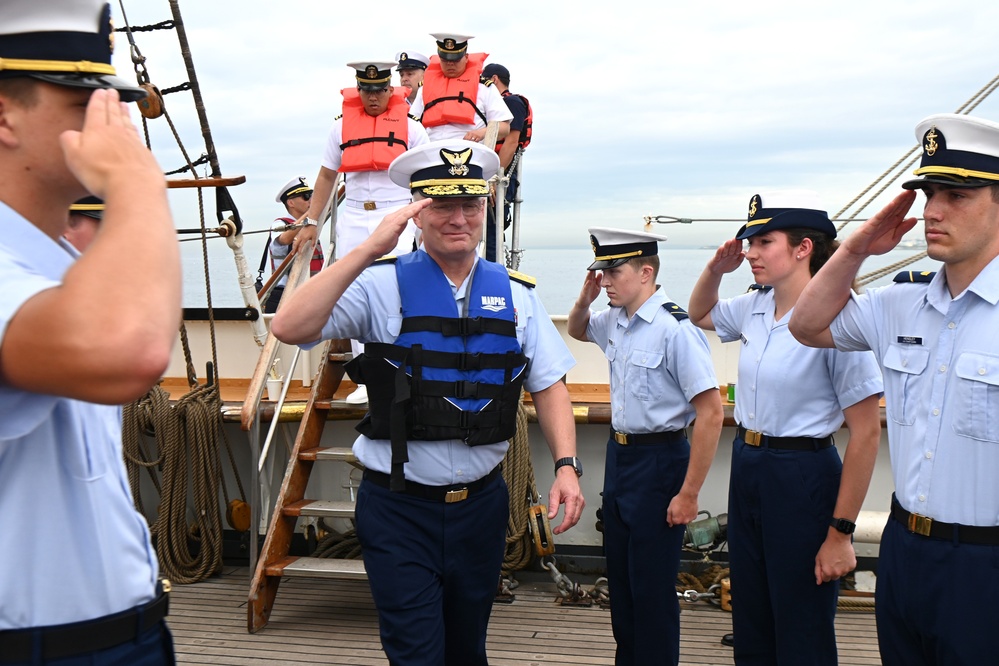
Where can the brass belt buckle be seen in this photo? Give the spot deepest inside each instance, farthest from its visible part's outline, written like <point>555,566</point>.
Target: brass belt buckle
<point>620,438</point>
<point>920,524</point>
<point>753,438</point>
<point>456,495</point>
<point>370,205</point>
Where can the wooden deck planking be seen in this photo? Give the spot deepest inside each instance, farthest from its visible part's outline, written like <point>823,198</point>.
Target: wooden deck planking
<point>334,622</point>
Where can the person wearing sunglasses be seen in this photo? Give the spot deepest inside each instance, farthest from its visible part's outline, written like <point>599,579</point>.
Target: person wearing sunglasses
<point>295,195</point>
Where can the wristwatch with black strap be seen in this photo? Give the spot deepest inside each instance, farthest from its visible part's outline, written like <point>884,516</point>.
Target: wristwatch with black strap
<point>843,525</point>
<point>573,461</point>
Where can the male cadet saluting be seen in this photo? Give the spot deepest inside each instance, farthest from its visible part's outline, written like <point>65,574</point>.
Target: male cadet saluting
<point>453,102</point>
<point>373,129</point>
<point>79,335</point>
<point>451,340</point>
<point>661,378</point>
<point>934,336</point>
<point>411,68</point>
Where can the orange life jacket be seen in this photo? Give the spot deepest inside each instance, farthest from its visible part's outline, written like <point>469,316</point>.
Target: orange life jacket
<point>370,143</point>
<point>527,130</point>
<point>452,101</point>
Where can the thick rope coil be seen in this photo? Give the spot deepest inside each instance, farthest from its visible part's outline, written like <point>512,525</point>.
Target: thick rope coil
<point>519,474</point>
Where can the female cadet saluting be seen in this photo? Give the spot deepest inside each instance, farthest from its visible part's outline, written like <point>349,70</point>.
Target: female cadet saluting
<point>790,512</point>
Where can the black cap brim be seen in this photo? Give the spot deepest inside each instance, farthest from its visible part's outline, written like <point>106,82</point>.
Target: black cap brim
<point>451,57</point>
<point>127,93</point>
<point>948,181</point>
<point>601,264</point>
<point>415,65</point>
<point>372,87</point>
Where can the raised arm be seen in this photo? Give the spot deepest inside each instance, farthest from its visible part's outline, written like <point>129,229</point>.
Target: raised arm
<point>105,334</point>
<point>836,557</point>
<point>300,320</point>
<point>554,409</point>
<point>828,291</point>
<point>579,315</point>
<point>728,257</point>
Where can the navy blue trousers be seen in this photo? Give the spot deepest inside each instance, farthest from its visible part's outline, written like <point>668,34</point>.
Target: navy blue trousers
<point>152,648</point>
<point>643,552</point>
<point>779,507</point>
<point>434,570</point>
<point>935,601</point>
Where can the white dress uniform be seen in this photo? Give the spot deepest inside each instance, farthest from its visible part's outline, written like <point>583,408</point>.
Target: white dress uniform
<point>488,100</point>
<point>370,195</point>
<point>73,544</point>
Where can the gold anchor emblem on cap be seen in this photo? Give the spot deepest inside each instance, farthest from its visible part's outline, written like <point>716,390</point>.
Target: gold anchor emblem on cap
<point>371,71</point>
<point>753,205</point>
<point>403,56</point>
<point>931,141</point>
<point>449,43</point>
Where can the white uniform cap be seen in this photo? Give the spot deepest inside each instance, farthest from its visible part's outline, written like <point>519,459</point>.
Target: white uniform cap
<point>411,60</point>
<point>613,247</point>
<point>372,74</point>
<point>65,42</point>
<point>298,185</point>
<point>451,46</point>
<point>786,209</point>
<point>448,168</point>
<point>958,151</point>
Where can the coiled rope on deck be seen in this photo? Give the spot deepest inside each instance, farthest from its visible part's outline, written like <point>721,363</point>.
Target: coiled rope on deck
<point>518,471</point>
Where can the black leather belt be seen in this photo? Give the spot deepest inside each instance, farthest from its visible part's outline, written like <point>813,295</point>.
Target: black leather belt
<point>670,437</point>
<point>78,638</point>
<point>926,526</point>
<point>754,438</point>
<point>448,494</point>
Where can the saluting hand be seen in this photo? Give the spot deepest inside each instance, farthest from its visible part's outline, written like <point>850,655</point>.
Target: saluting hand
<point>386,235</point>
<point>728,257</point>
<point>882,232</point>
<point>591,288</point>
<point>108,149</point>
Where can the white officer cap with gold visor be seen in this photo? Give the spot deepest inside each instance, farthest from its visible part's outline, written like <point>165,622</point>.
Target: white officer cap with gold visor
<point>65,42</point>
<point>613,247</point>
<point>958,151</point>
<point>448,168</point>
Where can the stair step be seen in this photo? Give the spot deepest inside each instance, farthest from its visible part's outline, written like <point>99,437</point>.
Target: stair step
<point>324,508</point>
<point>334,453</point>
<point>318,567</point>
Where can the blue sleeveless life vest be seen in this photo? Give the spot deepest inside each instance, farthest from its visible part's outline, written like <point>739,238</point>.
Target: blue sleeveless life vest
<point>449,374</point>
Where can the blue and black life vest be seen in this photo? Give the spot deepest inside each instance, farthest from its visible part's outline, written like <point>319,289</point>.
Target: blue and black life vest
<point>448,375</point>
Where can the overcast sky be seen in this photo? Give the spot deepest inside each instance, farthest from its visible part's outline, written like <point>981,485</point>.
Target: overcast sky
<point>683,109</point>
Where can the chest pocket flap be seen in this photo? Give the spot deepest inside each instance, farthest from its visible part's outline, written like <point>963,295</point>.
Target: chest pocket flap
<point>978,368</point>
<point>910,359</point>
<point>903,364</point>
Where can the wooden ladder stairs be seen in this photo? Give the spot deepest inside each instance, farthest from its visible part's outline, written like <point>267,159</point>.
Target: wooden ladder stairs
<point>274,562</point>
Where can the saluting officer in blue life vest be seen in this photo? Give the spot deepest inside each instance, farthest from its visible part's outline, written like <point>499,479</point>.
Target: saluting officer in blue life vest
<point>935,338</point>
<point>450,341</point>
<point>661,378</point>
<point>792,500</point>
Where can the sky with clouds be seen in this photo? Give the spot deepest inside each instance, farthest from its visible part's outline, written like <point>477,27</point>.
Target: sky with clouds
<point>683,109</point>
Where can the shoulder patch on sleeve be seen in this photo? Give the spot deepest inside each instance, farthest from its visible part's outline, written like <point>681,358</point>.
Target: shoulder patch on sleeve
<point>759,287</point>
<point>678,313</point>
<point>914,276</point>
<point>523,279</point>
<point>484,81</point>
<point>387,259</point>
<point>412,117</point>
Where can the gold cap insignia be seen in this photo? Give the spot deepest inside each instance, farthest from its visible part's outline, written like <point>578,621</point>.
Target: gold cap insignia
<point>754,205</point>
<point>593,243</point>
<point>449,43</point>
<point>457,160</point>
<point>371,72</point>
<point>931,144</point>
<point>403,56</point>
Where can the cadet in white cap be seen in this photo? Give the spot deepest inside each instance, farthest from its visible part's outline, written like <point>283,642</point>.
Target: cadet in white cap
<point>454,103</point>
<point>661,378</point>
<point>79,335</point>
<point>450,342</point>
<point>412,66</point>
<point>789,543</point>
<point>373,129</point>
<point>295,195</point>
<point>934,335</point>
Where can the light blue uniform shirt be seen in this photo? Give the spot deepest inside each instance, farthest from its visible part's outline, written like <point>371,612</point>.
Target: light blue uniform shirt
<point>371,311</point>
<point>941,364</point>
<point>72,545</point>
<point>657,365</point>
<point>786,389</point>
